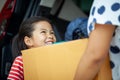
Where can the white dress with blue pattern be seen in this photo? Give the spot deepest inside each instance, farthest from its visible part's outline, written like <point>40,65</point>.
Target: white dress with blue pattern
<point>108,12</point>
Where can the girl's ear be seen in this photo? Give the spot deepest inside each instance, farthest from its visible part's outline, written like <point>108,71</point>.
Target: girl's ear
<point>28,41</point>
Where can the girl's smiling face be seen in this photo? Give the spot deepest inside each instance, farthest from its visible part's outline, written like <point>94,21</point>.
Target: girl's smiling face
<point>42,35</point>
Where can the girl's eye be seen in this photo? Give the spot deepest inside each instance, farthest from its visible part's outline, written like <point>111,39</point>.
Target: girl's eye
<point>52,32</point>
<point>43,31</point>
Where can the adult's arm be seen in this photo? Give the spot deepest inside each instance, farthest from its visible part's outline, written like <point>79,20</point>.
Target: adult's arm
<point>95,53</point>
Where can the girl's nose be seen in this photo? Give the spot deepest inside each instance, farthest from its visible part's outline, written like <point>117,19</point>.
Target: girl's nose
<point>50,36</point>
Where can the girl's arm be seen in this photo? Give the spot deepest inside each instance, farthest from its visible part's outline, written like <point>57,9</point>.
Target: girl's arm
<point>96,52</point>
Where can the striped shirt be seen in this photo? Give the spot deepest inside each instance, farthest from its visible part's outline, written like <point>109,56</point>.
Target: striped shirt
<point>16,72</point>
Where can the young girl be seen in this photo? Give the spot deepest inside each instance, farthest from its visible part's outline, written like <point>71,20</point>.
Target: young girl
<point>34,32</point>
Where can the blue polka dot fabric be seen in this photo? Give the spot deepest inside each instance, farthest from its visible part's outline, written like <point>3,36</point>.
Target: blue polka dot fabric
<point>108,12</point>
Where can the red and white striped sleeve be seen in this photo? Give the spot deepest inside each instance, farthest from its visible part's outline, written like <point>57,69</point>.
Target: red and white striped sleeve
<point>16,72</point>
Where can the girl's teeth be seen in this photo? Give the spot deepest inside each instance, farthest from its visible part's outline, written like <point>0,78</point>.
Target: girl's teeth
<point>48,43</point>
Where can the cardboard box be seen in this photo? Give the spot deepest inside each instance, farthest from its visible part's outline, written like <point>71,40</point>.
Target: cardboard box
<point>55,62</point>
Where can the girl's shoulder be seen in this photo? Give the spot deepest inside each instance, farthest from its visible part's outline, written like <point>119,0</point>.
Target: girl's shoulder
<point>18,58</point>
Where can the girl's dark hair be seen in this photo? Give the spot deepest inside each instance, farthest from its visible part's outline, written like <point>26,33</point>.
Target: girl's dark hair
<point>26,29</point>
